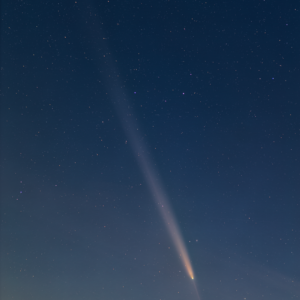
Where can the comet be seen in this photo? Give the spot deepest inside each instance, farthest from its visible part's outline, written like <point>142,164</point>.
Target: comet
<point>115,89</point>
<point>153,181</point>
<point>152,178</point>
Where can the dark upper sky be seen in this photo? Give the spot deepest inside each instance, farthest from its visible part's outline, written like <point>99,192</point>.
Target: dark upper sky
<point>208,91</point>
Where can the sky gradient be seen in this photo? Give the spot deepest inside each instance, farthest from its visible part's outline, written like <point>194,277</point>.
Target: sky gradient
<point>135,134</point>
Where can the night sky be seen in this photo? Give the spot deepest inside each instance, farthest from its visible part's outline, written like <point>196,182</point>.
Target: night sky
<point>205,94</point>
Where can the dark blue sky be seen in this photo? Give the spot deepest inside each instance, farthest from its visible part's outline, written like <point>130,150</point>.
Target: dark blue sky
<point>211,90</point>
